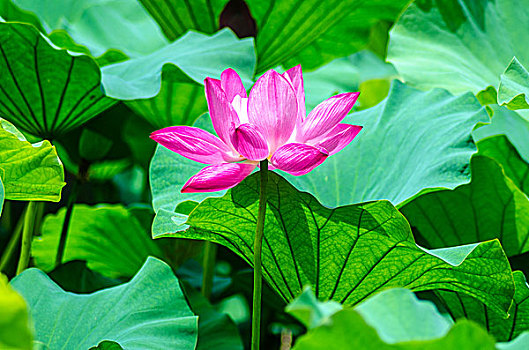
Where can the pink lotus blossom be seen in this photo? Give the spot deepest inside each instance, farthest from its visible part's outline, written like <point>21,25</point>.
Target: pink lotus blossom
<point>269,124</point>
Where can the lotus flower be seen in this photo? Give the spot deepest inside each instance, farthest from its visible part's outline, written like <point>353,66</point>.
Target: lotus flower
<point>269,124</point>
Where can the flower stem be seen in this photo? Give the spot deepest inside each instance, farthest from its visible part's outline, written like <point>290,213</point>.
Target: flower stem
<point>5,219</point>
<point>210,251</point>
<point>257,273</point>
<point>27,236</point>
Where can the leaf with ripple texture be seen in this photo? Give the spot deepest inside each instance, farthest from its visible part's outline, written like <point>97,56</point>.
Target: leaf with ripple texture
<point>347,253</point>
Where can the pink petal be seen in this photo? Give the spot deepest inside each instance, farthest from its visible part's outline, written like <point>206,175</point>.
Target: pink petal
<point>298,158</point>
<point>327,115</point>
<point>249,142</point>
<point>231,84</point>
<point>339,137</point>
<point>218,177</point>
<point>220,109</point>
<point>194,143</point>
<point>272,107</point>
<point>295,77</point>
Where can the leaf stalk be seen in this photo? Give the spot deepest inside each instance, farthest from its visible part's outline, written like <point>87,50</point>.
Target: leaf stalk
<point>210,253</point>
<point>66,223</point>
<point>13,243</point>
<point>27,236</point>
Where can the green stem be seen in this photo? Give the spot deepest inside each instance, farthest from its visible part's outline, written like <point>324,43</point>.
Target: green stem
<point>66,223</point>
<point>5,219</point>
<point>257,245</point>
<point>210,251</point>
<point>27,236</point>
<point>13,243</point>
<point>39,215</point>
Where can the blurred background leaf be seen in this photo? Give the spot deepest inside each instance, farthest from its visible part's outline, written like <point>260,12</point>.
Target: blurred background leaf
<point>112,239</point>
<point>394,319</point>
<point>15,326</point>
<point>177,17</point>
<point>128,314</point>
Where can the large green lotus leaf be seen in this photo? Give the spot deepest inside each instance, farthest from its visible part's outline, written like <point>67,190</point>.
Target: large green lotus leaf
<point>509,123</point>
<point>29,172</point>
<point>112,239</point>
<point>514,86</point>
<point>15,329</point>
<point>193,57</point>
<point>491,206</point>
<point>177,17</point>
<point>503,329</point>
<point>313,33</point>
<point>100,25</point>
<point>458,45</point>
<point>347,253</point>
<point>394,319</point>
<point>43,90</point>
<point>150,311</point>
<point>422,137</point>
<point>166,87</point>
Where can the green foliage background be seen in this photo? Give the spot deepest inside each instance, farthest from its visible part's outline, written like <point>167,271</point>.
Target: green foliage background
<point>415,236</point>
